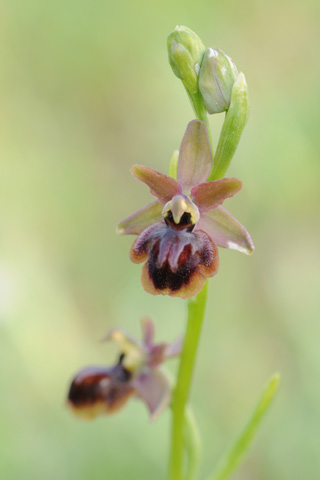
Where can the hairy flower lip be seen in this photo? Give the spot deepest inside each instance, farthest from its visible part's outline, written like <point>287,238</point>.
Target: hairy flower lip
<point>99,390</point>
<point>179,261</point>
<point>189,194</point>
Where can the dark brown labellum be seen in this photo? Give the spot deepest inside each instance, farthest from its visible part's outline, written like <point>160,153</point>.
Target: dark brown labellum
<point>98,390</point>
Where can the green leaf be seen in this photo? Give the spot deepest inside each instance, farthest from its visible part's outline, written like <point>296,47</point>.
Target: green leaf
<point>231,460</point>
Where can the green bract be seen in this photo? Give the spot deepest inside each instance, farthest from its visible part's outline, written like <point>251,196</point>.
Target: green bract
<point>234,123</point>
<point>217,75</point>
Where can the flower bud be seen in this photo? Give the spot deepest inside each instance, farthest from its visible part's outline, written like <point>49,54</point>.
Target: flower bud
<point>185,51</point>
<point>217,75</point>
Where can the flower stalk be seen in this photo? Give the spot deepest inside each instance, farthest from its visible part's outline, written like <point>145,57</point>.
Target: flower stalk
<point>192,443</point>
<point>196,311</point>
<point>236,118</point>
<point>177,238</point>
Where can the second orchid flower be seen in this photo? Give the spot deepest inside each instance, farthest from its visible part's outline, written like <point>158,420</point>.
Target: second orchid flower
<point>100,390</point>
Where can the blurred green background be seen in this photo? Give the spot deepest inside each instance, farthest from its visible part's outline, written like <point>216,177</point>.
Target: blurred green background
<point>85,92</point>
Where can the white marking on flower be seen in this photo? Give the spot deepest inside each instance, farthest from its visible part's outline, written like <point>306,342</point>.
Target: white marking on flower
<point>235,246</point>
<point>212,53</point>
<point>104,383</point>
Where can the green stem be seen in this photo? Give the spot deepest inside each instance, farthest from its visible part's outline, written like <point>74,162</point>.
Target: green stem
<point>192,439</point>
<point>201,113</point>
<point>196,310</point>
<point>192,442</point>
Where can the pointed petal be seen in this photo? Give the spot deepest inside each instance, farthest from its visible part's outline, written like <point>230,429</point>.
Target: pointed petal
<point>226,231</point>
<point>161,186</point>
<point>147,327</point>
<point>157,354</point>
<point>195,157</point>
<point>210,195</point>
<point>174,349</point>
<point>153,387</point>
<point>141,219</point>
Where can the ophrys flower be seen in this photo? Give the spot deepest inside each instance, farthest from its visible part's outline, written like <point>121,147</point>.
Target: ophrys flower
<point>180,231</point>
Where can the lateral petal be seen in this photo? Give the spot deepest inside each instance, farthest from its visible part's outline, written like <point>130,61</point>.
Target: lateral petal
<point>161,186</point>
<point>195,156</point>
<point>210,195</point>
<point>141,219</point>
<point>226,231</point>
<point>174,348</point>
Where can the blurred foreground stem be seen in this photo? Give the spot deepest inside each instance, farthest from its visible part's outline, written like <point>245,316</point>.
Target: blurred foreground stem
<point>231,460</point>
<point>196,310</point>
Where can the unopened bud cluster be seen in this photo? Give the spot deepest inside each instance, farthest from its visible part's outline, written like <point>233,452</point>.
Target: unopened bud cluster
<point>208,72</point>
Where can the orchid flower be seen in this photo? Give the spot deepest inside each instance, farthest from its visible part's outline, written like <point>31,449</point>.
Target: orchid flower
<point>179,232</point>
<point>99,390</point>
